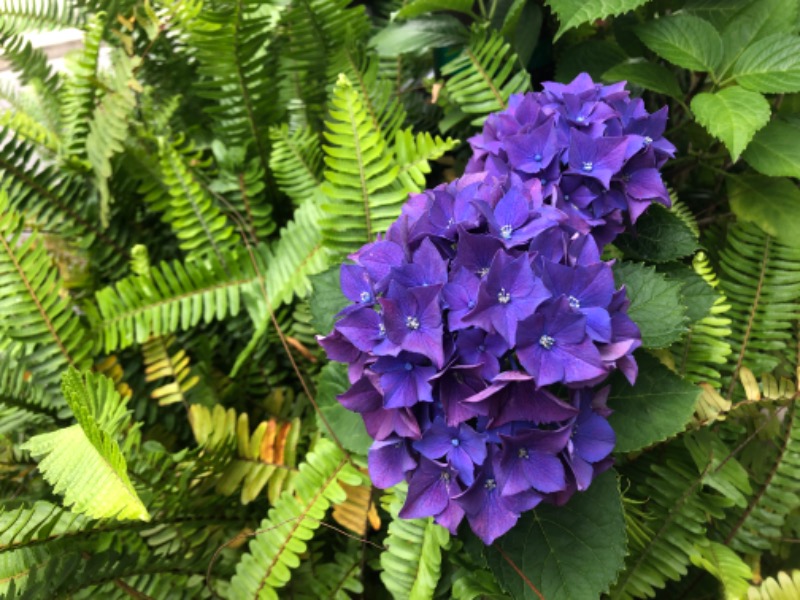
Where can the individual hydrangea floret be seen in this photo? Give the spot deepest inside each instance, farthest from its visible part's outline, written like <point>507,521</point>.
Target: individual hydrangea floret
<point>482,325</point>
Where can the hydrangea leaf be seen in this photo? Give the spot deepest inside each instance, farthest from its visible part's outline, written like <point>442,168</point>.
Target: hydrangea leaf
<point>347,425</point>
<point>594,57</point>
<point>655,409</point>
<point>770,65</point>
<point>650,76</point>
<point>732,115</point>
<point>566,552</point>
<point>775,150</point>
<point>698,295</point>
<point>772,203</point>
<point>416,35</point>
<point>656,303</point>
<point>420,7</point>
<point>572,13</point>
<point>684,40</point>
<point>327,300</point>
<point>659,236</point>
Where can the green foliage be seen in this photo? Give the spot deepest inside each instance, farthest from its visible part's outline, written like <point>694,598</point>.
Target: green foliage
<point>660,236</point>
<point>412,559</point>
<point>548,559</point>
<point>784,586</point>
<point>93,452</point>
<point>724,564</point>
<point>573,13</point>
<point>770,65</point>
<point>650,76</point>
<point>346,425</point>
<point>732,115</point>
<point>774,150</point>
<point>684,40</point>
<point>656,303</point>
<point>771,203</point>
<point>655,409</point>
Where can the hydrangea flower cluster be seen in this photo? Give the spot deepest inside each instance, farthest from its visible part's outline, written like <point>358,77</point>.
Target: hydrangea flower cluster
<point>482,324</point>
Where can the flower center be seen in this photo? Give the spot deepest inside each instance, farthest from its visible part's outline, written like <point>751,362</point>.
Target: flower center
<point>381,329</point>
<point>408,366</point>
<point>544,181</point>
<point>490,484</point>
<point>482,348</point>
<point>483,271</point>
<point>445,476</point>
<point>566,197</point>
<point>647,140</point>
<point>587,166</point>
<point>546,342</point>
<point>506,231</point>
<point>451,222</point>
<point>581,119</point>
<point>412,323</point>
<point>523,453</point>
<point>455,442</point>
<point>574,302</point>
<point>471,304</point>
<point>366,296</point>
<point>503,297</point>
<point>537,157</point>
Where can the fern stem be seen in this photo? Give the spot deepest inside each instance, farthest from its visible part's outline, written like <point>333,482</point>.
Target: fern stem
<point>361,175</point>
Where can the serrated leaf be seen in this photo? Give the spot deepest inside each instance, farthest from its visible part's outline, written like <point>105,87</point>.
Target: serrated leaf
<point>770,65</point>
<point>732,115</point>
<point>658,236</point>
<point>347,425</point>
<point>684,40</point>
<point>570,552</point>
<point>327,300</point>
<point>658,407</point>
<point>650,76</point>
<point>656,304</point>
<point>775,149</point>
<point>572,13</point>
<point>772,203</point>
<point>698,295</point>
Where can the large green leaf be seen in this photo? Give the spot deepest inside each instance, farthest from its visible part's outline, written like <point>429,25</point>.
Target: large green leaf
<point>570,552</point>
<point>418,35</point>
<point>656,303</point>
<point>572,13</point>
<point>416,8</point>
<point>775,150</point>
<point>771,203</point>
<point>770,65</point>
<point>594,57</point>
<point>650,76</point>
<point>732,115</point>
<point>347,425</point>
<point>659,236</point>
<point>684,40</point>
<point>653,410</point>
<point>327,300</point>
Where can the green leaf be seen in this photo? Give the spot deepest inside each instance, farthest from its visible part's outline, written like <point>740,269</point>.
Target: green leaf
<point>775,150</point>
<point>418,35</point>
<point>84,462</point>
<point>732,115</point>
<point>723,563</point>
<point>347,425</point>
<point>327,300</point>
<point>698,295</point>
<point>771,65</point>
<point>659,236</point>
<point>570,552</point>
<point>771,203</point>
<point>572,13</point>
<point>684,40</point>
<point>656,304</point>
<point>650,76</point>
<point>420,7</point>
<point>594,57</point>
<point>655,409</point>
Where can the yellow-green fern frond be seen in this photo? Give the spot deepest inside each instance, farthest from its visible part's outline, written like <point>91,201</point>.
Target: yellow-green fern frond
<point>171,370</point>
<point>414,153</point>
<point>92,475</point>
<point>784,586</point>
<point>724,564</point>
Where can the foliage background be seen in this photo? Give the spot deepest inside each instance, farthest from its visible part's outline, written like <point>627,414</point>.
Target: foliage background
<point>168,426</point>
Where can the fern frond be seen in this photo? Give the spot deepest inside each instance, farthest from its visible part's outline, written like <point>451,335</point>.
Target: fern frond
<point>338,579</point>
<point>358,510</point>
<point>414,153</point>
<point>23,401</point>
<point>29,128</point>
<point>79,90</point>
<point>32,311</point>
<point>412,560</point>
<point>92,476</point>
<point>684,213</point>
<point>110,122</point>
<point>482,78</point>
<point>363,197</point>
<point>35,15</point>
<point>292,522</point>
<point>785,586</point>
<point>761,279</point>
<point>296,161</point>
<point>265,458</point>
<point>30,64</point>
<point>160,365</point>
<point>188,207</point>
<point>705,345</point>
<point>759,526</point>
<point>677,508</point>
<point>724,564</point>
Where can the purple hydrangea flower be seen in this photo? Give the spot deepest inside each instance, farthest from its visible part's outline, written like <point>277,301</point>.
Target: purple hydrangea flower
<point>480,326</point>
